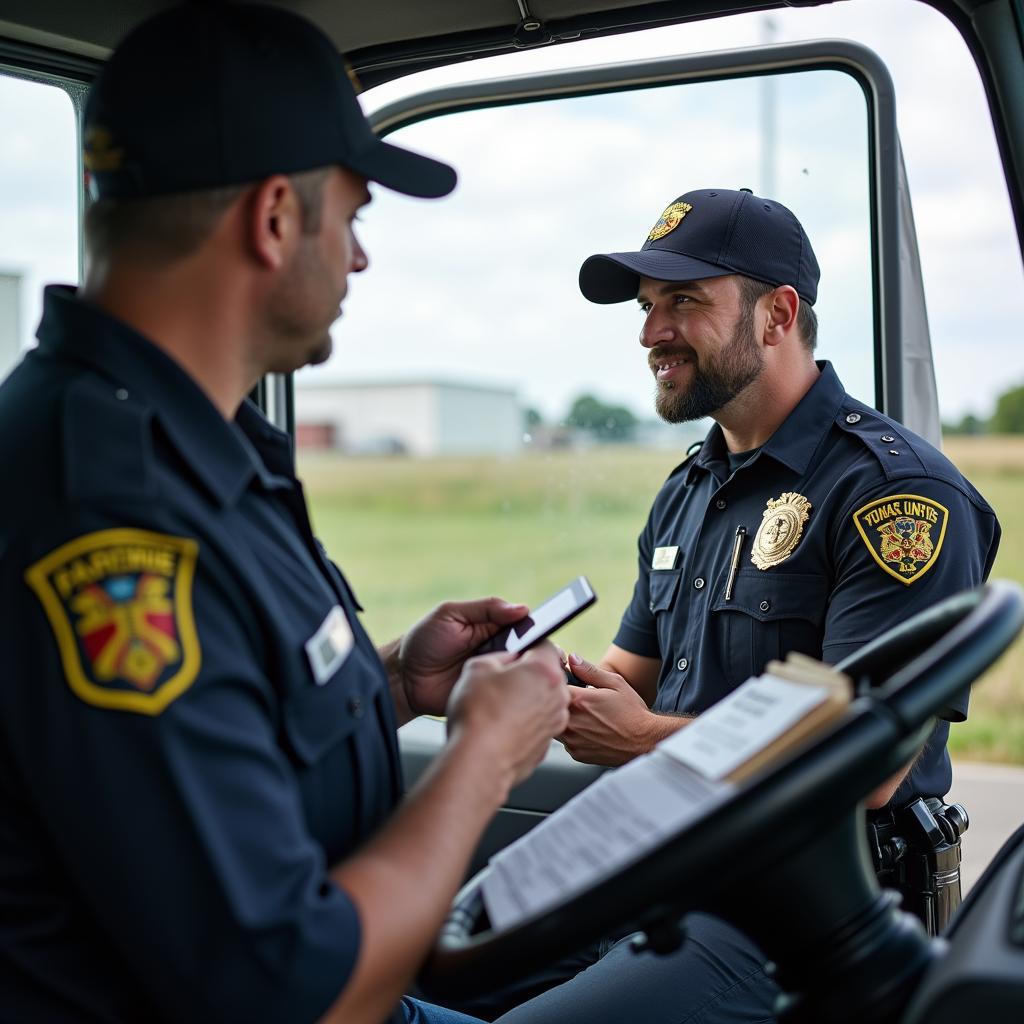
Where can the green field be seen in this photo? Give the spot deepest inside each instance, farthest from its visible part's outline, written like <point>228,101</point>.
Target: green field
<point>409,533</point>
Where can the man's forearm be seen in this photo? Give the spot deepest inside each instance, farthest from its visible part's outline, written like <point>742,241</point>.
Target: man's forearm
<point>402,882</point>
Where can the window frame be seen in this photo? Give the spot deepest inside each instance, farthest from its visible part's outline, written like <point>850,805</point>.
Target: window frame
<point>860,63</point>
<point>71,74</point>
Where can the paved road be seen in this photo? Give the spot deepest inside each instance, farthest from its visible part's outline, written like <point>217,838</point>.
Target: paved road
<point>994,797</point>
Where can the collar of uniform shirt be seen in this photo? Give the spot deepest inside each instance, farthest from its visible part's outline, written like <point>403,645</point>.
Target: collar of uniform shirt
<point>798,438</point>
<point>140,370</point>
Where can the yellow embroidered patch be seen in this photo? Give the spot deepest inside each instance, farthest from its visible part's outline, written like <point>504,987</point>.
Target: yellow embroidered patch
<point>120,606</point>
<point>669,220</point>
<point>904,533</point>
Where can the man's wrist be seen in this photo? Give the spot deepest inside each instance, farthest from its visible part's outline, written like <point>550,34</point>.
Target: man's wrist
<point>390,656</point>
<point>659,727</point>
<point>473,751</point>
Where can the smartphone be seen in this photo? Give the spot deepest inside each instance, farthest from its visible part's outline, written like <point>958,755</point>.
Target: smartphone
<point>543,620</point>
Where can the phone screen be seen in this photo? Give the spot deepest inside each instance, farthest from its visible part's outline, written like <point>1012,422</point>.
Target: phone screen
<point>544,619</point>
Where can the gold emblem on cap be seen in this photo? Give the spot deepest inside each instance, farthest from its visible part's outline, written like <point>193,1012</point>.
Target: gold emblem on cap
<point>669,220</point>
<point>98,152</point>
<point>782,524</point>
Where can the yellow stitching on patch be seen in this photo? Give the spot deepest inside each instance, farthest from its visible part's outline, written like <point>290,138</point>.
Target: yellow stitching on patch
<point>139,567</point>
<point>898,531</point>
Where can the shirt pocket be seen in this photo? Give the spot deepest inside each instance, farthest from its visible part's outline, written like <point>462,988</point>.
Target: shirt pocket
<point>770,615</point>
<point>319,718</point>
<point>663,585</point>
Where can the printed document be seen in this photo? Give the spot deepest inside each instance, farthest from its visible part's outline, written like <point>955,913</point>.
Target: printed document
<point>630,811</point>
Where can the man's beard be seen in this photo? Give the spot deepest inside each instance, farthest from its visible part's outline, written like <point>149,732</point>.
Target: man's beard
<point>717,379</point>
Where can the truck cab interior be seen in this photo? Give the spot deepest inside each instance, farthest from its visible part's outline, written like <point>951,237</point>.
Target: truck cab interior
<point>571,123</point>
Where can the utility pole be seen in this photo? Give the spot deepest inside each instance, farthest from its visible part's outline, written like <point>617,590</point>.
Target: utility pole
<point>769,109</point>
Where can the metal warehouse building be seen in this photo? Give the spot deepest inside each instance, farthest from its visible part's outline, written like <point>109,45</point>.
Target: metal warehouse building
<point>416,417</point>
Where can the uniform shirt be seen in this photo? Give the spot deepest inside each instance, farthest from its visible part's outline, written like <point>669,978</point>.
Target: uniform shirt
<point>890,528</point>
<point>193,724</point>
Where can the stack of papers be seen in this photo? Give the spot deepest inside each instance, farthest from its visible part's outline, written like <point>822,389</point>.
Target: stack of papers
<point>629,811</point>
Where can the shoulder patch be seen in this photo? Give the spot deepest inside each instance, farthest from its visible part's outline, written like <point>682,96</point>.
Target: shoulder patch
<point>904,533</point>
<point>119,603</point>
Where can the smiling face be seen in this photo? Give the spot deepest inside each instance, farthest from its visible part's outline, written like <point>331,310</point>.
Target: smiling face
<point>702,348</point>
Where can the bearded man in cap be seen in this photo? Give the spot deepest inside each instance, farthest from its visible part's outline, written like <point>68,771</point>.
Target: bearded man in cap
<point>806,521</point>
<point>199,776</point>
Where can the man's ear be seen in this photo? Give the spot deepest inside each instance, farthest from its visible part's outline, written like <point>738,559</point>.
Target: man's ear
<point>782,307</point>
<point>274,221</point>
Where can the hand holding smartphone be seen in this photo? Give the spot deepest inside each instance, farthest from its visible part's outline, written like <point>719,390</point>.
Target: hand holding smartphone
<point>543,620</point>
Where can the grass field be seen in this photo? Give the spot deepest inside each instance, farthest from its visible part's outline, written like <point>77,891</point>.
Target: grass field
<point>409,533</point>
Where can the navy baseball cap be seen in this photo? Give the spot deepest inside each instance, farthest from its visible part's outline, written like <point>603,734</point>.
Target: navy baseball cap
<point>710,233</point>
<point>206,95</point>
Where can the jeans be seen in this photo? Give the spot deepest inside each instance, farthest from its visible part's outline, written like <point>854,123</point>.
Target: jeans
<point>417,1012</point>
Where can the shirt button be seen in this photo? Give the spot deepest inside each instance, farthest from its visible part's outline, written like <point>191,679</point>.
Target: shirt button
<point>651,606</point>
<point>720,504</point>
<point>121,394</point>
<point>888,438</point>
<point>765,606</point>
<point>355,707</point>
<point>682,664</point>
<point>893,451</point>
<point>854,417</point>
<point>698,583</point>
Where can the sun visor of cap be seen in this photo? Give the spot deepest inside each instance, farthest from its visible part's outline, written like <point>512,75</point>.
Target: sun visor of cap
<point>404,171</point>
<point>615,277</point>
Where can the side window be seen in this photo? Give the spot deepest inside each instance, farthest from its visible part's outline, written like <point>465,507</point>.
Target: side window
<point>39,204</point>
<point>483,428</point>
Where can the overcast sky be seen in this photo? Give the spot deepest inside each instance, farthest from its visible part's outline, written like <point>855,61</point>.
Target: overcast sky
<point>482,286</point>
<point>969,252</point>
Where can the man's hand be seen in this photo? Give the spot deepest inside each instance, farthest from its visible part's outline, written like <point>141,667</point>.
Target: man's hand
<point>609,723</point>
<point>502,715</point>
<point>430,656</point>
<point>512,706</point>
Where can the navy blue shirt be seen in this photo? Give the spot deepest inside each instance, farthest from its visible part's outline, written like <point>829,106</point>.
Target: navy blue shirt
<point>868,525</point>
<point>193,724</point>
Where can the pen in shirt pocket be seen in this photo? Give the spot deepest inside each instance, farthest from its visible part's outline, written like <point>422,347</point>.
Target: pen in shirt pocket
<point>737,552</point>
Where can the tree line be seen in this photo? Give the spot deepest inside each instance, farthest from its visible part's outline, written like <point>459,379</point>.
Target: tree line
<point>606,421</point>
<point>1008,417</point>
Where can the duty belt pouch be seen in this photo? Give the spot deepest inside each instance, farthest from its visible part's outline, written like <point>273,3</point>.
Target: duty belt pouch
<point>916,851</point>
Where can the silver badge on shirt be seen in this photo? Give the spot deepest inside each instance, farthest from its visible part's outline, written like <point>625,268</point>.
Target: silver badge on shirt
<point>329,646</point>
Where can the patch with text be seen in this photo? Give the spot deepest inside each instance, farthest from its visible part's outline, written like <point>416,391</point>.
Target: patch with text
<point>904,533</point>
<point>120,605</point>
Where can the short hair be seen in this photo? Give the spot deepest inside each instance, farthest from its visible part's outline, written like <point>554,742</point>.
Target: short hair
<point>806,319</point>
<point>162,229</point>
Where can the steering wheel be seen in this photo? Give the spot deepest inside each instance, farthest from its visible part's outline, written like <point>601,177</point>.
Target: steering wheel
<point>848,954</point>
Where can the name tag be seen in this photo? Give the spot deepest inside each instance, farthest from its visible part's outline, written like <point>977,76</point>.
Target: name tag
<point>329,646</point>
<point>665,558</point>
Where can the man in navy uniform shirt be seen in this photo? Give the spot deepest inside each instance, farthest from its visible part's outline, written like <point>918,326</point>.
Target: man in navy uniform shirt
<point>199,779</point>
<point>807,521</point>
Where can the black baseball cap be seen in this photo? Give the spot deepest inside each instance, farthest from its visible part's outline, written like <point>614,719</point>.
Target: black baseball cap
<point>205,95</point>
<point>710,233</point>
